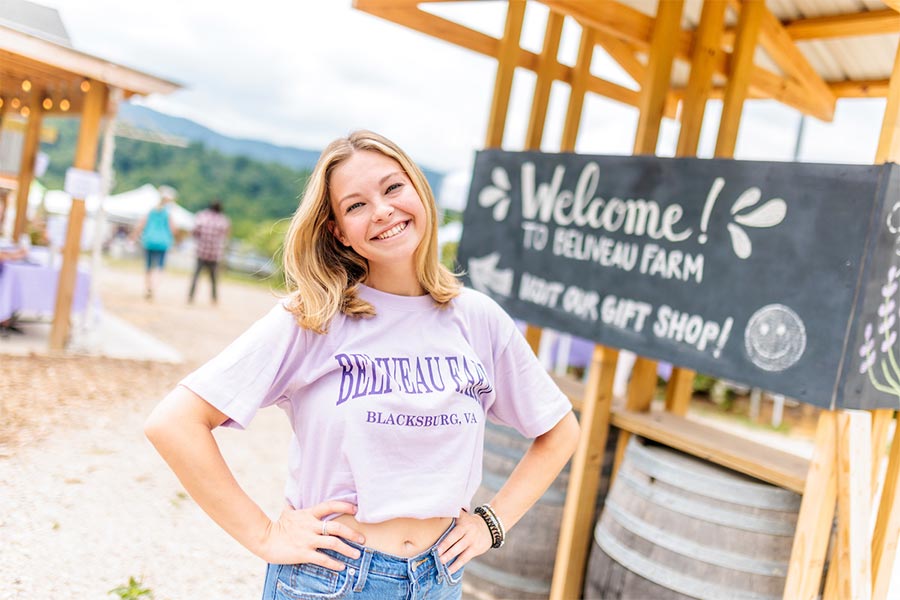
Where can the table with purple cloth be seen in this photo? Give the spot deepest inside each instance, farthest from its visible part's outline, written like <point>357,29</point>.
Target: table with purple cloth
<point>30,287</point>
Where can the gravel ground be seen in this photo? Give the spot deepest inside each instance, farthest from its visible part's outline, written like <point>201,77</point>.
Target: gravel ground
<point>86,501</point>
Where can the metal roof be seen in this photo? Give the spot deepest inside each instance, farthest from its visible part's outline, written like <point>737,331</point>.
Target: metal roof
<point>40,21</point>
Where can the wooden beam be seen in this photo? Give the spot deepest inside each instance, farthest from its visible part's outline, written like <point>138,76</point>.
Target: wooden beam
<point>763,83</point>
<point>766,80</point>
<point>542,86</point>
<point>624,54</point>
<point>875,22</point>
<point>608,17</point>
<point>506,67</point>
<point>816,515</point>
<point>776,41</point>
<point>715,445</point>
<point>85,158</point>
<point>867,88</point>
<point>584,477</point>
<point>854,500</point>
<point>706,51</point>
<point>887,525</point>
<point>30,148</point>
<point>655,86</point>
<point>888,149</point>
<point>739,78</point>
<point>579,87</point>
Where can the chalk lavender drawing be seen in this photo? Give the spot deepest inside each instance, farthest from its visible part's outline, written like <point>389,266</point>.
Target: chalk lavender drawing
<point>775,337</point>
<point>881,367</point>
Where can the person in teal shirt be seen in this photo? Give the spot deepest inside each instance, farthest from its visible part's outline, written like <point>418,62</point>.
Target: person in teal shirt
<point>157,233</point>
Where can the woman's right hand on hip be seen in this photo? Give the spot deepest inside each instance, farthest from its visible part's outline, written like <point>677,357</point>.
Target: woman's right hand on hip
<point>298,535</point>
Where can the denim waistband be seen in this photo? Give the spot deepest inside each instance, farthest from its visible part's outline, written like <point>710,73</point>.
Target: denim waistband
<point>414,568</point>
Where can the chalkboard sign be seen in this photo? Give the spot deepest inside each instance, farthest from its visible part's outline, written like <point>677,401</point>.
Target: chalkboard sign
<point>777,275</point>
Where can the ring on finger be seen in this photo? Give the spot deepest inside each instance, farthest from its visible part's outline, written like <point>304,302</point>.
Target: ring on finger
<point>324,527</point>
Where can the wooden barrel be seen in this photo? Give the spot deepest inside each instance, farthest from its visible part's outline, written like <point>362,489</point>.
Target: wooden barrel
<point>674,526</point>
<point>523,567</point>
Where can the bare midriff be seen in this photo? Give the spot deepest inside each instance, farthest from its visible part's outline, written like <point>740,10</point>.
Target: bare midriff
<point>402,537</point>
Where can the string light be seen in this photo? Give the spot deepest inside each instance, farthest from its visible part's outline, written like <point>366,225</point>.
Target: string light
<point>64,105</point>
<point>85,85</point>
<point>26,85</point>
<point>15,103</point>
<point>47,103</point>
<point>1,102</point>
<point>25,111</point>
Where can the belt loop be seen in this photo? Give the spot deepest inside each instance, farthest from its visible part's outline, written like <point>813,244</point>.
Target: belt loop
<point>363,570</point>
<point>413,582</point>
<point>438,567</point>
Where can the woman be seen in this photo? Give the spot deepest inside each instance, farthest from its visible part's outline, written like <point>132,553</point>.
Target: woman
<point>156,232</point>
<point>387,370</point>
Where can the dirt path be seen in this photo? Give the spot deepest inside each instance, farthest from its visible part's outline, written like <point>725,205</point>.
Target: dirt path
<point>86,501</point>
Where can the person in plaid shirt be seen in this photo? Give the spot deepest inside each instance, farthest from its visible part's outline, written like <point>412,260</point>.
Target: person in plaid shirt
<point>211,229</point>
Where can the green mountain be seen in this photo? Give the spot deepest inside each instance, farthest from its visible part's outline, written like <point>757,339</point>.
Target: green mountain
<point>295,158</point>
<point>259,184</point>
<point>255,194</point>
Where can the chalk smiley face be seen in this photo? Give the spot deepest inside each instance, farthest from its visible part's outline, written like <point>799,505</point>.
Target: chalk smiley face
<point>775,337</point>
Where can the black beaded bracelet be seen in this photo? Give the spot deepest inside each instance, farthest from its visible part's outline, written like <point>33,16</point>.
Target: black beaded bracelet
<point>495,526</point>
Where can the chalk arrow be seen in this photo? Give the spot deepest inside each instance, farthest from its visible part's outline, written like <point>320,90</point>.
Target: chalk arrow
<point>486,277</point>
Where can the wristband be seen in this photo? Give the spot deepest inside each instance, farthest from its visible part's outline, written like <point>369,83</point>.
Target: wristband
<point>494,525</point>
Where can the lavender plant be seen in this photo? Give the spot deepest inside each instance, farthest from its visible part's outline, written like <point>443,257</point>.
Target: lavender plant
<point>888,380</point>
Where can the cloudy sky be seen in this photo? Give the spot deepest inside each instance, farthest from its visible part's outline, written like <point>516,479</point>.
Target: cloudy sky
<point>301,73</point>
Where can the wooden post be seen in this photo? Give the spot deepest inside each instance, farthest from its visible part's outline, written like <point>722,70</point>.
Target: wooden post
<point>26,165</point>
<point>85,158</point>
<point>679,391</point>
<point>506,67</point>
<point>887,140</point>
<point>654,89</point>
<point>580,75</point>
<point>739,77</point>
<point>854,500</point>
<point>707,41</point>
<point>538,116</point>
<point>887,525</point>
<point>585,473</point>
<point>655,86</point>
<point>542,86</point>
<point>816,515</point>
<point>881,420</point>
<point>641,389</point>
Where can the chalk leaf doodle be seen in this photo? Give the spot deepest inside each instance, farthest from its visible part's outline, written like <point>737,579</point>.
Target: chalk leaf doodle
<point>486,277</point>
<point>769,214</point>
<point>775,337</point>
<point>497,194</point>
<point>881,367</point>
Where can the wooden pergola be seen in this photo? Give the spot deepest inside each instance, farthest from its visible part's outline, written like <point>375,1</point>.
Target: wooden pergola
<point>41,76</point>
<point>682,54</point>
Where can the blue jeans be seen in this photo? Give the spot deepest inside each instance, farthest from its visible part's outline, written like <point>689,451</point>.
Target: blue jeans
<point>155,258</point>
<point>373,576</point>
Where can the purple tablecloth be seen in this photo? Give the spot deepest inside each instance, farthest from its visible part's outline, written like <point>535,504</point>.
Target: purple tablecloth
<point>31,288</point>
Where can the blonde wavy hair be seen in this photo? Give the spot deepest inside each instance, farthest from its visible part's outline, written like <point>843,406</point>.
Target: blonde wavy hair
<point>323,275</point>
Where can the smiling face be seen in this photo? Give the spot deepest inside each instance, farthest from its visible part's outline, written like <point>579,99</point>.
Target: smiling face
<point>775,337</point>
<point>379,214</point>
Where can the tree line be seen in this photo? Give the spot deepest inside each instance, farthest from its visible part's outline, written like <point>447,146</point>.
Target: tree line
<point>258,196</point>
